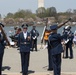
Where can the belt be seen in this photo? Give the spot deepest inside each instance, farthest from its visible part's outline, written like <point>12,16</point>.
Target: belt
<point>25,43</point>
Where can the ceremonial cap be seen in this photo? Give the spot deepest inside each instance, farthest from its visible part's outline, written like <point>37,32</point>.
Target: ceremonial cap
<point>25,25</point>
<point>68,27</point>
<point>53,27</point>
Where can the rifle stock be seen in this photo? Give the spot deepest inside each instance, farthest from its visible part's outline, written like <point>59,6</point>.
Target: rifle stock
<point>4,35</point>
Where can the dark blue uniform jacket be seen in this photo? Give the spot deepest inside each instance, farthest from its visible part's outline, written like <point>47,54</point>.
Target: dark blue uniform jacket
<point>54,41</point>
<point>22,40</point>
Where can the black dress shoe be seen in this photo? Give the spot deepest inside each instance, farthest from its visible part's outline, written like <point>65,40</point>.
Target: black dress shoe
<point>21,72</point>
<point>32,50</point>
<point>71,57</point>
<point>50,69</point>
<point>35,49</point>
<point>65,57</point>
<point>25,73</point>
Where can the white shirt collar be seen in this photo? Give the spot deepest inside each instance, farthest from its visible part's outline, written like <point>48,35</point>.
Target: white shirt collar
<point>25,34</point>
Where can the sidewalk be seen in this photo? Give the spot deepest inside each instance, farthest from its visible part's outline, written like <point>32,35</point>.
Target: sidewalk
<point>45,73</point>
<point>38,63</point>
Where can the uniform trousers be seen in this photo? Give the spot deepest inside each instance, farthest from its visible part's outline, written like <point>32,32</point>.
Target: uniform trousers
<point>1,58</point>
<point>34,44</point>
<point>50,62</point>
<point>25,62</point>
<point>57,64</point>
<point>69,45</point>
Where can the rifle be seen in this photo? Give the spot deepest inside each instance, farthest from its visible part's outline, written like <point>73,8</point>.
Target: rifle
<point>44,30</point>
<point>51,30</point>
<point>4,35</point>
<point>64,23</point>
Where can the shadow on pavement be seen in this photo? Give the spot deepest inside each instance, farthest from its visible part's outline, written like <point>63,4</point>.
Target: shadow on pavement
<point>30,71</point>
<point>6,68</point>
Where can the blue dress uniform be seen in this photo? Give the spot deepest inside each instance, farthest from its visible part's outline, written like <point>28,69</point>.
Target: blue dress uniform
<point>2,46</point>
<point>68,35</point>
<point>34,36</point>
<point>24,44</point>
<point>69,45</point>
<point>55,49</point>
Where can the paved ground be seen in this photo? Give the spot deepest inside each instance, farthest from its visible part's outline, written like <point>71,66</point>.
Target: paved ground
<point>37,74</point>
<point>38,63</point>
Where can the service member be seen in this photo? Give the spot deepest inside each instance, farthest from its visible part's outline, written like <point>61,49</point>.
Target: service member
<point>34,36</point>
<point>56,49</point>
<point>24,43</point>
<point>69,44</point>
<point>2,47</point>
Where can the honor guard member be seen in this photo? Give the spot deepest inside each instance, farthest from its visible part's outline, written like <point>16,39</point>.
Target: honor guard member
<point>69,43</point>
<point>2,47</point>
<point>24,43</point>
<point>55,49</point>
<point>34,36</point>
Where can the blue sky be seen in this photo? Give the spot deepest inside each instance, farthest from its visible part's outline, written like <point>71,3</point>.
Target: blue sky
<point>7,6</point>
